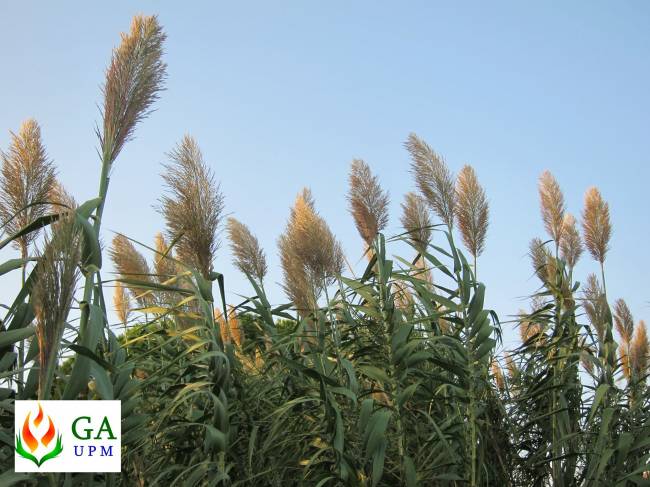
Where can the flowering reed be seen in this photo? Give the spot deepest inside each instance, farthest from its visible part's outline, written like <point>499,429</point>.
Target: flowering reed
<point>433,179</point>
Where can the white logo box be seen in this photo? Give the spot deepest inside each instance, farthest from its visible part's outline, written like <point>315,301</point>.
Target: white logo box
<point>96,447</point>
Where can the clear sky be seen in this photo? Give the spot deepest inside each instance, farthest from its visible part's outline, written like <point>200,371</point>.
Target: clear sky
<point>282,95</point>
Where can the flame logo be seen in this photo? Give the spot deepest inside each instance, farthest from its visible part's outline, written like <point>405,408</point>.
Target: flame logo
<point>27,437</point>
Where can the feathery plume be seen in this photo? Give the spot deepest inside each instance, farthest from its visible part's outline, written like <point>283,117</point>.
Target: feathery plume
<point>232,331</point>
<point>586,362</point>
<point>552,206</point>
<point>368,202</point>
<point>639,350</point>
<point>26,179</point>
<point>163,263</point>
<point>623,320</point>
<point>446,326</point>
<point>53,292</point>
<point>235,330</point>
<point>130,264</point>
<point>511,367</point>
<point>310,255</point>
<point>537,303</point>
<point>193,206</point>
<point>624,350</point>
<point>249,257</point>
<point>527,328</point>
<point>259,360</point>
<point>416,221</point>
<point>472,212</point>
<point>223,326</point>
<point>595,224</point>
<point>134,79</point>
<point>542,260</point>
<point>60,199</point>
<point>166,268</point>
<point>571,244</point>
<point>595,305</point>
<point>498,375</point>
<point>433,178</point>
<point>296,283</point>
<point>402,296</point>
<point>122,303</point>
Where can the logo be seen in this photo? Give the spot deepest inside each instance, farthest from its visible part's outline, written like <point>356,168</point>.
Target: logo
<point>68,436</point>
<point>33,444</point>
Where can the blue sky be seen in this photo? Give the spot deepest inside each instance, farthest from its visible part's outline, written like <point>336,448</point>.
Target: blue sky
<point>282,95</point>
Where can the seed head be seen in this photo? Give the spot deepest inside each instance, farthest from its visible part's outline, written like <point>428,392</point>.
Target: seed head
<point>552,205</point>
<point>134,80</point>
<point>368,202</point>
<point>130,264</point>
<point>60,199</point>
<point>231,332</point>
<point>163,262</point>
<point>596,227</point>
<point>624,356</point>
<point>571,244</point>
<point>122,303</point>
<point>527,328</point>
<point>433,179</point>
<point>416,221</point>
<point>542,260</point>
<point>498,375</point>
<point>192,206</point>
<point>639,350</point>
<point>56,279</point>
<point>248,256</point>
<point>511,366</point>
<point>623,320</point>
<point>472,211</point>
<point>26,180</point>
<point>595,305</point>
<point>310,255</point>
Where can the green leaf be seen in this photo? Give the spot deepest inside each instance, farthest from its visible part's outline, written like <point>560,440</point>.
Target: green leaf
<point>409,472</point>
<point>86,209</point>
<point>376,435</point>
<point>365,413</point>
<point>78,379</point>
<point>12,336</point>
<point>416,358</point>
<point>406,394</point>
<point>12,264</point>
<point>215,440</point>
<point>598,398</point>
<point>339,432</point>
<point>476,306</point>
<point>103,383</point>
<point>373,373</point>
<point>7,360</point>
<point>344,391</point>
<point>485,348</point>
<point>32,227</point>
<point>401,335</point>
<point>378,463</point>
<point>10,478</point>
<point>92,252</point>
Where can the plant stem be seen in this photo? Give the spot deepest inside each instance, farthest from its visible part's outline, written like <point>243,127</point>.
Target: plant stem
<point>21,345</point>
<point>475,270</point>
<point>335,335</point>
<point>90,273</point>
<point>45,388</point>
